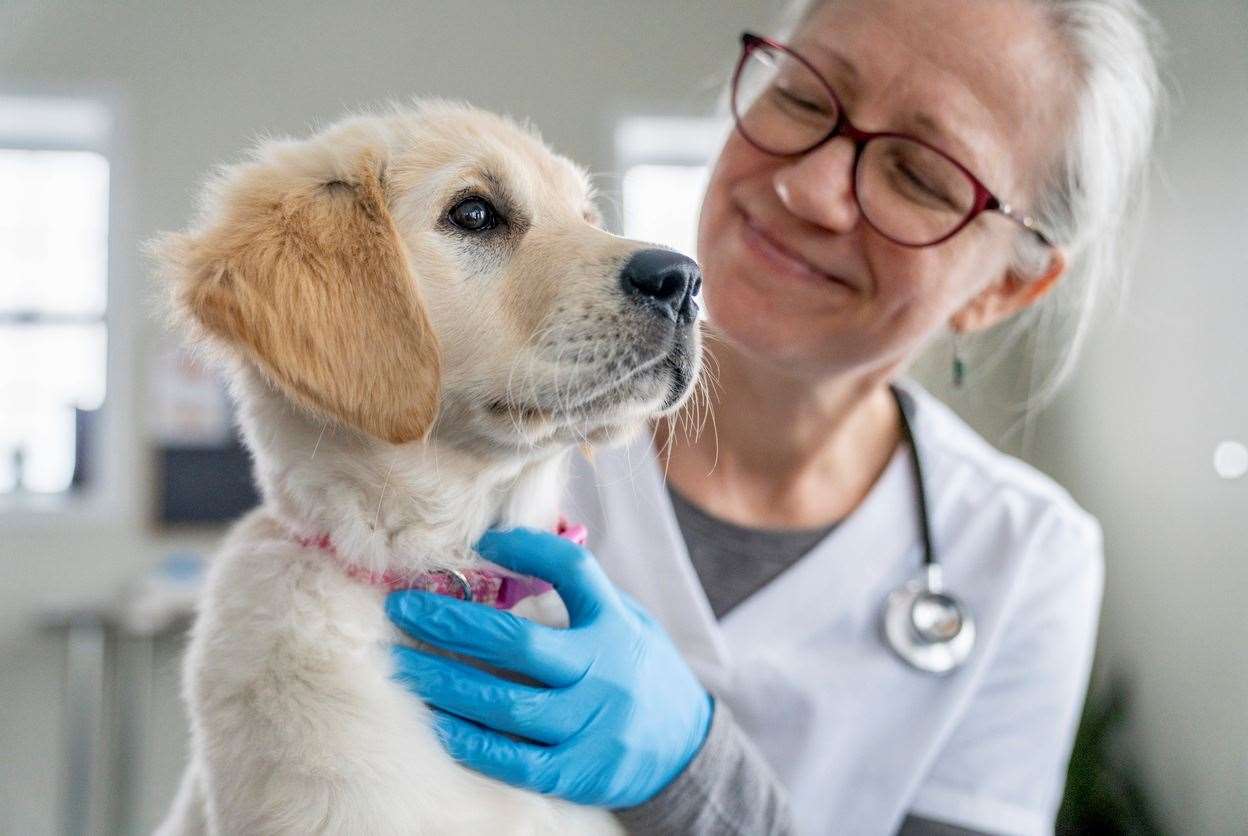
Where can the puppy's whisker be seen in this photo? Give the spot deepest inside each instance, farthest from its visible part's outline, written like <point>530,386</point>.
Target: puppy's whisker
<point>576,365</point>
<point>713,389</point>
<point>509,390</point>
<point>530,388</point>
<point>701,400</point>
<point>380,499</point>
<point>574,374</point>
<point>319,436</point>
<point>666,452</point>
<point>525,359</point>
<point>714,437</point>
<point>560,401</point>
<point>564,375</point>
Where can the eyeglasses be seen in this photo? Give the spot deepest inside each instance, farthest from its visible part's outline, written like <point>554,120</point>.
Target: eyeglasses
<point>909,191</point>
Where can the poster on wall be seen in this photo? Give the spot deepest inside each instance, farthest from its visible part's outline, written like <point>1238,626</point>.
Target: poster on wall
<point>204,472</point>
<point>189,400</point>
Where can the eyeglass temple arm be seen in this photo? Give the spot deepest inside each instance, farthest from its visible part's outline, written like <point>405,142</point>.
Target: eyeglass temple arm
<point>1026,221</point>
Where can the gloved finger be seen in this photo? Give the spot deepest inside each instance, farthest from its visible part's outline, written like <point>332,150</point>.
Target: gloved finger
<point>575,573</point>
<point>523,710</point>
<point>499,638</point>
<point>514,762</point>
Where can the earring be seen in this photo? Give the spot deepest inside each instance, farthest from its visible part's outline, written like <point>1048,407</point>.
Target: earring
<point>959,364</point>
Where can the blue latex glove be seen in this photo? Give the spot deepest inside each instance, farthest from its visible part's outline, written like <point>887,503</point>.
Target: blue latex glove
<point>622,715</point>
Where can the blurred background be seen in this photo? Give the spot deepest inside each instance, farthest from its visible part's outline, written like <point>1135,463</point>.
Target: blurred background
<point>118,463</point>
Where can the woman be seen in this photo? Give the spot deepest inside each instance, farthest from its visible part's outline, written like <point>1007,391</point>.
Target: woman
<point>832,257</point>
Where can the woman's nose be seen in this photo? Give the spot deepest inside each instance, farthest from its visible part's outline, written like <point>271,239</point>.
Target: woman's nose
<point>819,186</point>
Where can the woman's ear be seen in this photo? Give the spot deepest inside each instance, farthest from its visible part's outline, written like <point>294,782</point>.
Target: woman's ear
<point>1014,292</point>
<point>300,269</point>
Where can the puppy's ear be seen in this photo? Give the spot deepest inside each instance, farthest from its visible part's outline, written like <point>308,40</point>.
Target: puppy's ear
<point>301,269</point>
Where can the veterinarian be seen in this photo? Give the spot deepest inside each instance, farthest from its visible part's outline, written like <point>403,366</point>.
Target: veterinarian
<point>842,611</point>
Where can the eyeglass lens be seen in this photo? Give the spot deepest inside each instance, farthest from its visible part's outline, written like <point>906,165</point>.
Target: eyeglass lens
<point>909,192</point>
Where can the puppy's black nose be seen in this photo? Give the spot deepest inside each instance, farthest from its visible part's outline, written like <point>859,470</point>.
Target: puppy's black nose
<point>666,281</point>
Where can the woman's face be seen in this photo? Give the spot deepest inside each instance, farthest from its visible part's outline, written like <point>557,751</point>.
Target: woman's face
<point>795,276</point>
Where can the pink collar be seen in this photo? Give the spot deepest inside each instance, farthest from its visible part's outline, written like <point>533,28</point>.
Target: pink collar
<point>488,583</point>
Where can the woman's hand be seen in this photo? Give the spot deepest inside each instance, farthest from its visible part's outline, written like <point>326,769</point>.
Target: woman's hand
<point>621,714</point>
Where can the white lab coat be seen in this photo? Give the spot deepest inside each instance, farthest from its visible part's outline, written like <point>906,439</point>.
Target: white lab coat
<point>859,738</point>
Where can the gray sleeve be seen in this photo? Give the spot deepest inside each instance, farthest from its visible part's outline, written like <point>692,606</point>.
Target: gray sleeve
<point>726,790</point>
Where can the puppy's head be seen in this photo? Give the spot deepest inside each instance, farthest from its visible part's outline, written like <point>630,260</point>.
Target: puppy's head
<point>437,269</point>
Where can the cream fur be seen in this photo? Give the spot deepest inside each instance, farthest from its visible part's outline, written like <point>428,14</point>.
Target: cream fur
<point>402,386</point>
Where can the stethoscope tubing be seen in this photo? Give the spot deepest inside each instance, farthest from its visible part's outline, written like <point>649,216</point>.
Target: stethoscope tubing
<point>931,647</point>
<point>905,405</point>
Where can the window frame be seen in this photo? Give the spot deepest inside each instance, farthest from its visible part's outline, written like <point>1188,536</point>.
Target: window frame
<point>90,119</point>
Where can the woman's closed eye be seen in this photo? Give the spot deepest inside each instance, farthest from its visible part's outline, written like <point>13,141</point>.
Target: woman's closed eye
<point>919,186</point>
<point>800,105</point>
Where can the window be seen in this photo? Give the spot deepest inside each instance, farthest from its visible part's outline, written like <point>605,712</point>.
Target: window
<point>661,204</point>
<point>54,177</point>
<point>666,164</point>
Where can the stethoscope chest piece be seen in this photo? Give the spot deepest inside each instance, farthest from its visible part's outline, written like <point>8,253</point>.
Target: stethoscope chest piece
<point>928,629</point>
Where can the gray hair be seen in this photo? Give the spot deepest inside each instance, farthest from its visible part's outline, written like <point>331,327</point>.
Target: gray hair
<point>1093,200</point>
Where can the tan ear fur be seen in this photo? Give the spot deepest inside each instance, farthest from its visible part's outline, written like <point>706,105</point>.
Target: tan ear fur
<point>307,277</point>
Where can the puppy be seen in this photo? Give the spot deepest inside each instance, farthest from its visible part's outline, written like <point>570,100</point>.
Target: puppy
<point>420,316</point>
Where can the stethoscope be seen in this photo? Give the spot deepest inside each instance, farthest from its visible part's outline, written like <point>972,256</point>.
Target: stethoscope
<point>926,626</point>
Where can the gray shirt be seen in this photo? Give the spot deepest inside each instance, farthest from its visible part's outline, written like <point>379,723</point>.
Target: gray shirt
<point>728,789</point>
<point>733,561</point>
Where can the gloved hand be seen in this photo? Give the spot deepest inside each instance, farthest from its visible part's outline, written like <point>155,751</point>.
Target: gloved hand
<point>622,714</point>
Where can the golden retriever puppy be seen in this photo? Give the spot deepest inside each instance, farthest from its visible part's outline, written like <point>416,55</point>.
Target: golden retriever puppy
<point>420,316</point>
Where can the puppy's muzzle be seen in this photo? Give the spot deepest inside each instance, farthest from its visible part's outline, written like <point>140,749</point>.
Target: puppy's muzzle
<point>664,282</point>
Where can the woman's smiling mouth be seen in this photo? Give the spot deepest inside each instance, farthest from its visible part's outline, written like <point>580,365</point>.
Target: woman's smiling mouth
<point>781,259</point>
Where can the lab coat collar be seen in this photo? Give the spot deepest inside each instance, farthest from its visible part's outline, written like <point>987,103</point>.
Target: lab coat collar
<point>649,559</point>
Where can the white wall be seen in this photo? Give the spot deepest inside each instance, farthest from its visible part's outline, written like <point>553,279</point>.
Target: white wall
<point>1133,438</point>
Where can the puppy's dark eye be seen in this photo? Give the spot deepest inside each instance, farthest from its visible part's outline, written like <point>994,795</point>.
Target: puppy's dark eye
<point>474,215</point>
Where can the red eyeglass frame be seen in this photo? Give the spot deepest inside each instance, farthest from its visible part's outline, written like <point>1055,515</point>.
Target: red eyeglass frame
<point>985,200</point>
